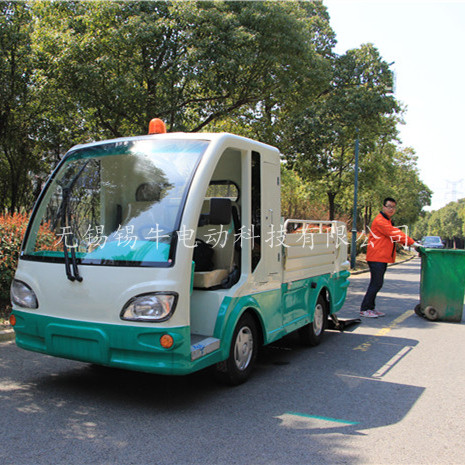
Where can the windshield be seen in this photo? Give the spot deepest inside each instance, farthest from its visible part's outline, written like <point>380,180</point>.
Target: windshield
<point>432,240</point>
<point>115,204</point>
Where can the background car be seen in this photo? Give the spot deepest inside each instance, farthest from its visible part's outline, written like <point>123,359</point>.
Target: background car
<point>432,242</point>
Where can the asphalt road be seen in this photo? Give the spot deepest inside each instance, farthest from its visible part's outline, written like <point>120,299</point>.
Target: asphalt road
<point>389,391</point>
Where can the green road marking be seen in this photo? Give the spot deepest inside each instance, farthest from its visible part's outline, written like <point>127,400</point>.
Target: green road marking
<point>317,417</point>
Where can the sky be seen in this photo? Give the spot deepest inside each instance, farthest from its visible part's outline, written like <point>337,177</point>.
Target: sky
<point>426,41</point>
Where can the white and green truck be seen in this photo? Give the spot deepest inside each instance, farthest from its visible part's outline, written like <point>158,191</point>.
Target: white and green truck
<point>167,253</point>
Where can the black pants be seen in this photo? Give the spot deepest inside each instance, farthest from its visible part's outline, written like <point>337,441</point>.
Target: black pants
<point>377,270</point>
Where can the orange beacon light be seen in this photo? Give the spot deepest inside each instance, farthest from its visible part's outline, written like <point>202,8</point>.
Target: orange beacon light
<point>157,126</point>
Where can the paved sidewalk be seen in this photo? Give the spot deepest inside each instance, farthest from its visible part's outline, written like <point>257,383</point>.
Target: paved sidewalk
<point>6,334</point>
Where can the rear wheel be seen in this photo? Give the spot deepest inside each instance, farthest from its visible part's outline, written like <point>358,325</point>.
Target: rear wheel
<point>419,311</point>
<point>238,367</point>
<point>312,334</point>
<point>431,313</point>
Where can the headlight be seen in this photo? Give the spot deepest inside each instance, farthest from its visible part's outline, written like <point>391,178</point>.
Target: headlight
<point>157,306</point>
<point>22,295</point>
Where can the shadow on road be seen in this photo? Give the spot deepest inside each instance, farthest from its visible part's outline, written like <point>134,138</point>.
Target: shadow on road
<point>297,393</point>
<point>303,405</point>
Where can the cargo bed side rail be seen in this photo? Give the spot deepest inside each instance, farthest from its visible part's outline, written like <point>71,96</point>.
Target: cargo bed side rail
<point>313,248</point>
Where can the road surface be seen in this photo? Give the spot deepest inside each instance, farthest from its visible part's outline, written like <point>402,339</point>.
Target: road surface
<point>389,391</point>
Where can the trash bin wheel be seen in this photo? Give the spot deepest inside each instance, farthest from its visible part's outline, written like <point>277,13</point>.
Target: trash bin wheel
<point>419,311</point>
<point>431,313</point>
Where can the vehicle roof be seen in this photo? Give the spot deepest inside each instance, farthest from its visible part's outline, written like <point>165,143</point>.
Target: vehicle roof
<point>211,136</point>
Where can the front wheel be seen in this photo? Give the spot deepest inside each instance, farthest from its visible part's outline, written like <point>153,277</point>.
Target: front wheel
<point>312,334</point>
<point>239,365</point>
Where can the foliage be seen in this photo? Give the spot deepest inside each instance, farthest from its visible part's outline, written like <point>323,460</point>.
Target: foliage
<point>420,228</point>
<point>298,199</point>
<point>361,241</point>
<point>447,222</point>
<point>12,230</point>
<point>357,104</point>
<point>392,172</point>
<point>410,192</point>
<point>190,63</point>
<point>18,157</point>
<point>72,72</point>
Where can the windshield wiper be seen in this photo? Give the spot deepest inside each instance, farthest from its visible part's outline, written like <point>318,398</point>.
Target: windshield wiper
<point>77,276</point>
<point>74,274</point>
<point>72,271</point>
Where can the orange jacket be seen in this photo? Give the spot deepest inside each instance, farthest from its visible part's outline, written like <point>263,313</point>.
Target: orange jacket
<point>382,238</point>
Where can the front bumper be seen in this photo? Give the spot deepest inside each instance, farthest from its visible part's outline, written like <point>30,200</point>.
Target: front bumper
<point>128,346</point>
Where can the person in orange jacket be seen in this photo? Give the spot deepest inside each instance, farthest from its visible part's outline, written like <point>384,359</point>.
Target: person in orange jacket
<point>381,250</point>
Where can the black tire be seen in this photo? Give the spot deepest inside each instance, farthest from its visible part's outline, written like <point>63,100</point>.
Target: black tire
<point>237,368</point>
<point>431,313</point>
<point>419,311</point>
<point>312,334</point>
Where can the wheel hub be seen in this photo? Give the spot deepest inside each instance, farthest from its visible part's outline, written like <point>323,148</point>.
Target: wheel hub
<point>243,348</point>
<point>318,319</point>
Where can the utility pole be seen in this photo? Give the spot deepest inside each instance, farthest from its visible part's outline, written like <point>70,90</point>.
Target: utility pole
<point>353,253</point>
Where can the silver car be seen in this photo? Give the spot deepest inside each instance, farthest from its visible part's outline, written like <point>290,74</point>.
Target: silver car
<point>432,242</point>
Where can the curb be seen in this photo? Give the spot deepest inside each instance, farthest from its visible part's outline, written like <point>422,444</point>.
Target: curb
<point>365,270</point>
<point>7,335</point>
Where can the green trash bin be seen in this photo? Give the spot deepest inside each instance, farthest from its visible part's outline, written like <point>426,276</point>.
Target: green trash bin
<point>442,285</point>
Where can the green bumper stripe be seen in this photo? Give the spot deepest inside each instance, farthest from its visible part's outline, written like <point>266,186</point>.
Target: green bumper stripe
<point>124,346</point>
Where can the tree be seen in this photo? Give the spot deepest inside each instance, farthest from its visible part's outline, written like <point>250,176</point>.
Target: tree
<point>420,228</point>
<point>389,171</point>
<point>405,185</point>
<point>452,223</point>
<point>434,224</point>
<point>17,106</point>
<point>357,103</point>
<point>447,222</point>
<point>76,71</point>
<point>273,117</point>
<point>190,63</point>
<point>298,198</point>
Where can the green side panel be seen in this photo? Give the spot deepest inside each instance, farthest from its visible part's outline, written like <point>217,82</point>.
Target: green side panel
<point>338,286</point>
<point>266,307</point>
<point>442,284</point>
<point>299,299</point>
<point>125,346</point>
<point>283,310</point>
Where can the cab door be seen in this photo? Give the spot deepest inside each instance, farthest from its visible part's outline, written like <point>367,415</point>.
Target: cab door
<point>266,221</point>
<point>272,232</point>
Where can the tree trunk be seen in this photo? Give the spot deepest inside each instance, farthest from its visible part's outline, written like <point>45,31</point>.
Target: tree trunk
<point>331,205</point>
<point>367,217</point>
